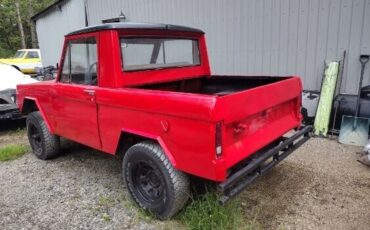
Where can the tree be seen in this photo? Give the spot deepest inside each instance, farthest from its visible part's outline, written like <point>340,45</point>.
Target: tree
<point>31,24</point>
<point>20,25</point>
<point>10,25</point>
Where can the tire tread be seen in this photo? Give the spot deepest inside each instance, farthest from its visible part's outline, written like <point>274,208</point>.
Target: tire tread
<point>50,142</point>
<point>179,180</point>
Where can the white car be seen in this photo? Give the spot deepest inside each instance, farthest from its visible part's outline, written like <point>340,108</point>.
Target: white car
<point>10,77</point>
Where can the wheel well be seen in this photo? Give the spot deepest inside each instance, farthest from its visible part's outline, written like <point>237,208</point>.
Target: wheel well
<point>126,140</point>
<point>29,106</point>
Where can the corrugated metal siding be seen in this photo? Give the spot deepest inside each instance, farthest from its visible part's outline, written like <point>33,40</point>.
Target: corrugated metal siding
<point>269,37</point>
<point>52,27</point>
<point>265,37</point>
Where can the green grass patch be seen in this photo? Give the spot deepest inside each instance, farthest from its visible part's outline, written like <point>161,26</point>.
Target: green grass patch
<point>106,201</point>
<point>21,131</point>
<point>12,152</point>
<point>207,214</point>
<point>106,217</point>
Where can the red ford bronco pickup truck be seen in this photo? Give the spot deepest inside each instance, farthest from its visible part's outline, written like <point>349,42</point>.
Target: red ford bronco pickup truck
<point>146,90</point>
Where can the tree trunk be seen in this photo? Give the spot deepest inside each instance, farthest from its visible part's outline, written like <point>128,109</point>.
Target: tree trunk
<point>32,24</point>
<point>20,26</point>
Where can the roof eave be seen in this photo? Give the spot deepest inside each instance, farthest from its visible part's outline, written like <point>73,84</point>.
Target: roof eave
<point>47,10</point>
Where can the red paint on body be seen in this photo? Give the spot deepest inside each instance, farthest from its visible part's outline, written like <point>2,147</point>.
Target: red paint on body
<point>183,123</point>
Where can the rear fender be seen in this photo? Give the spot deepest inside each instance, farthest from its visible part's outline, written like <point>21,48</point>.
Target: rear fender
<point>149,136</point>
<point>31,104</point>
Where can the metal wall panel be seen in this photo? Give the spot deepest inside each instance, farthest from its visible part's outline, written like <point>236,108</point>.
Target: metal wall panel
<point>265,37</point>
<point>52,27</point>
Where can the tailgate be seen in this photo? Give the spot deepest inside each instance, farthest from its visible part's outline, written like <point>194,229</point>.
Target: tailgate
<point>256,117</point>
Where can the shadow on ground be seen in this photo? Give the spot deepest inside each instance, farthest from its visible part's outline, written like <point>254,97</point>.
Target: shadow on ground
<point>12,125</point>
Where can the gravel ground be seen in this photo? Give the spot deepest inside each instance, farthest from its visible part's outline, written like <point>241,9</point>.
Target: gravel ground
<point>320,186</point>
<point>82,189</point>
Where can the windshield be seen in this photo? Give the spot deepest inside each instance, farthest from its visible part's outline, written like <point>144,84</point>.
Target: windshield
<point>158,53</point>
<point>19,54</point>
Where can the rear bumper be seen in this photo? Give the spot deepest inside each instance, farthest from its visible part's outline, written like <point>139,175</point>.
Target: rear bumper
<point>261,164</point>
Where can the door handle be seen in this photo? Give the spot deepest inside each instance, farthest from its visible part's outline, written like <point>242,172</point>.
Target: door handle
<point>90,92</point>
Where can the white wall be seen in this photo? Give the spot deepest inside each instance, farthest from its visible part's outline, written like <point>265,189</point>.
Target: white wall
<point>52,27</point>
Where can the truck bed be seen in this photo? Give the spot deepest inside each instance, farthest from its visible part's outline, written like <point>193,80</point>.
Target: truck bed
<point>254,110</point>
<point>214,85</point>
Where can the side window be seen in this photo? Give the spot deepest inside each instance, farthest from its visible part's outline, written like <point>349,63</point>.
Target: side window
<point>80,63</point>
<point>32,54</point>
<point>66,67</point>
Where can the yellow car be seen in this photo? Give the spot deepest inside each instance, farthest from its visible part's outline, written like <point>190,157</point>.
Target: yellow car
<point>25,60</point>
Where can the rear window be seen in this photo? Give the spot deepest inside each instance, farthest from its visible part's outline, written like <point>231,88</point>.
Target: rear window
<point>158,53</point>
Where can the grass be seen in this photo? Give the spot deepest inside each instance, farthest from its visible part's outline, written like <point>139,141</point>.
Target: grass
<point>21,131</point>
<point>104,203</point>
<point>107,201</point>
<point>205,213</point>
<point>106,217</point>
<point>11,152</point>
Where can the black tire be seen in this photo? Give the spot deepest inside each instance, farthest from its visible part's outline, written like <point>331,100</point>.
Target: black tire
<point>44,144</point>
<point>152,181</point>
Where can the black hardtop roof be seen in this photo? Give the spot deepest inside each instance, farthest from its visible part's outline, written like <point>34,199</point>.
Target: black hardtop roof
<point>134,25</point>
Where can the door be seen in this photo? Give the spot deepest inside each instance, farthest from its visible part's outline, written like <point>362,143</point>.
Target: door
<point>74,98</point>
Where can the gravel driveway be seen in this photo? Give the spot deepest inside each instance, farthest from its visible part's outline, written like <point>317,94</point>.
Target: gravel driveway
<point>321,186</point>
<point>82,189</point>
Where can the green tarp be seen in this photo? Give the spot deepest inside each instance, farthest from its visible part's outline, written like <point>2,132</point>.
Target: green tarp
<point>326,99</point>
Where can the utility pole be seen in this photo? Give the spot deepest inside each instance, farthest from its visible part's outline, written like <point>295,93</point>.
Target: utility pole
<point>20,26</point>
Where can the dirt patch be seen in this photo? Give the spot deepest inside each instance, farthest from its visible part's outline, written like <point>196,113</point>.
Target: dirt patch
<point>13,132</point>
<point>320,186</point>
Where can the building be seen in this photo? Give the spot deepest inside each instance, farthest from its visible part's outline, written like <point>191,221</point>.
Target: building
<point>249,37</point>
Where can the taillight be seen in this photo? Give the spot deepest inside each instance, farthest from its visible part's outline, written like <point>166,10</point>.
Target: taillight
<point>219,139</point>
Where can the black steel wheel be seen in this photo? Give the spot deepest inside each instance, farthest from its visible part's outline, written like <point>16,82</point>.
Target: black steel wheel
<point>152,181</point>
<point>148,181</point>
<point>35,138</point>
<point>44,144</point>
